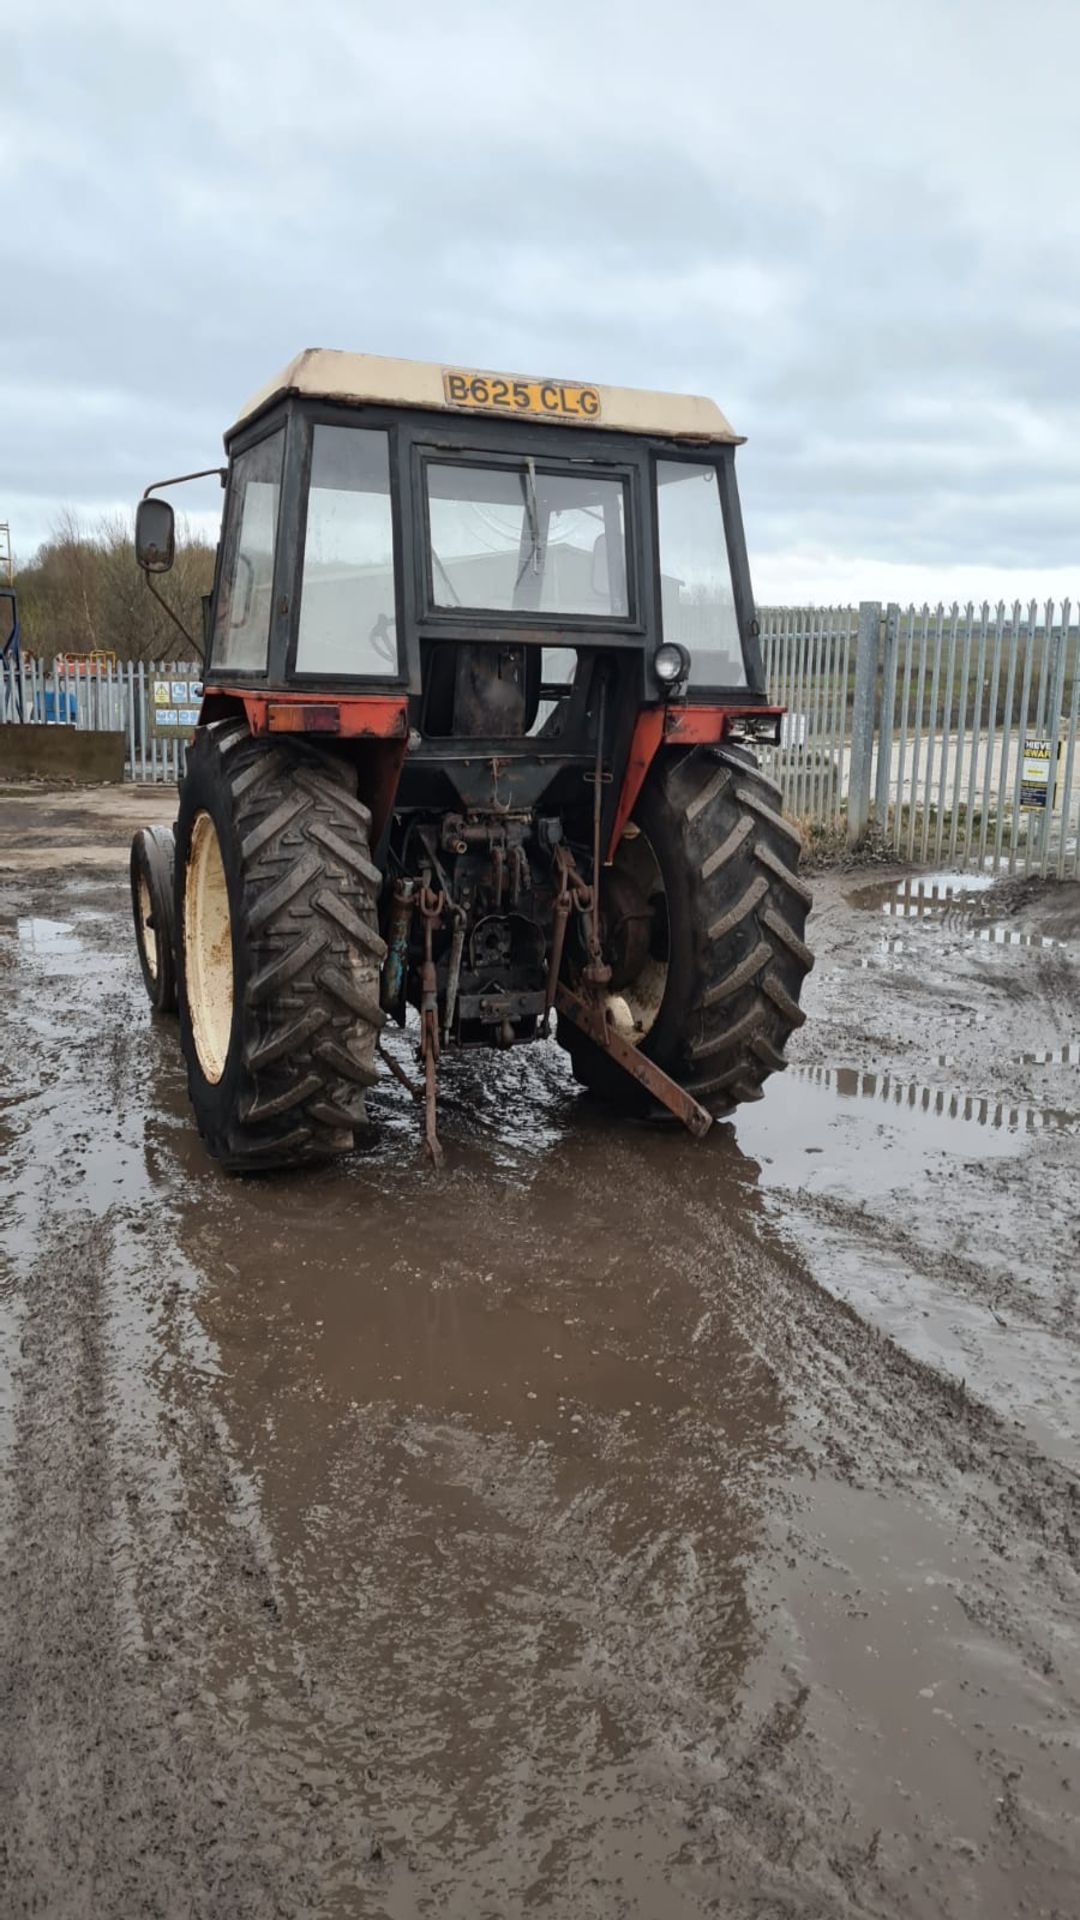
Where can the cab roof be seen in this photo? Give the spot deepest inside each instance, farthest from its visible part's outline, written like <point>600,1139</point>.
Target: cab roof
<point>322,373</point>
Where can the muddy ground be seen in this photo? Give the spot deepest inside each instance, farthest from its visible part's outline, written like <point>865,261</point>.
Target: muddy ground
<point>609,1525</point>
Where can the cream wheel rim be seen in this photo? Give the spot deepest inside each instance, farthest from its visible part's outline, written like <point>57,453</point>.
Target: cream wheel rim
<point>633,1008</point>
<point>208,959</point>
<point>146,928</point>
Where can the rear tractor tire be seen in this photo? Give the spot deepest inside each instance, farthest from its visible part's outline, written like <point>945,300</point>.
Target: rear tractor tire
<point>712,957</point>
<point>152,888</point>
<point>278,949</point>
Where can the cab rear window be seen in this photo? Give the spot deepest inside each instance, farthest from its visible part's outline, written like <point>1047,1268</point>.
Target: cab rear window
<point>523,539</point>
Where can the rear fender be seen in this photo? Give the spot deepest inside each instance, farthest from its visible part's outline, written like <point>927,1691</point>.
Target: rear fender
<point>370,730</point>
<point>681,726</point>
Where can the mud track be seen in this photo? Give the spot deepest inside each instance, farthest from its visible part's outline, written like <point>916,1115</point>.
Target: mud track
<point>607,1526</point>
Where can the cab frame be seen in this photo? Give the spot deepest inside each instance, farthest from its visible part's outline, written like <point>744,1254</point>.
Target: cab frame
<point>415,436</point>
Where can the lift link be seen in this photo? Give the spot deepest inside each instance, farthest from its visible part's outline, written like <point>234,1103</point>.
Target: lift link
<point>561,912</point>
<point>453,970</point>
<point>404,1079</point>
<point>592,1018</point>
<point>431,907</point>
<point>586,1009</point>
<point>597,972</point>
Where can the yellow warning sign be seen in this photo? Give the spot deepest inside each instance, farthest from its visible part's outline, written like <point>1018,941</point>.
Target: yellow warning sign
<point>1035,775</point>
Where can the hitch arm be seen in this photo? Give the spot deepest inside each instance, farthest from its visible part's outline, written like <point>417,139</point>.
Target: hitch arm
<point>591,1019</point>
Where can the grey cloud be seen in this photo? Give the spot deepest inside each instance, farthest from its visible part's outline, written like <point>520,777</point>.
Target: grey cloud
<point>901,346</point>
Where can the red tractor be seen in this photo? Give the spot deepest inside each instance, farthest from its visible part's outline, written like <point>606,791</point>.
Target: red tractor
<point>481,703</point>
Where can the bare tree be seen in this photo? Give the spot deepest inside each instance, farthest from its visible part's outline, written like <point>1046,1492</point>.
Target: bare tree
<point>83,591</point>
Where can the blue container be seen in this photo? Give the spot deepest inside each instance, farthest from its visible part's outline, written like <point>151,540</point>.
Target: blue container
<point>67,705</point>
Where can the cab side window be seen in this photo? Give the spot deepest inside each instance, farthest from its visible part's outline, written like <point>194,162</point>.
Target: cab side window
<point>245,597</point>
<point>347,598</point>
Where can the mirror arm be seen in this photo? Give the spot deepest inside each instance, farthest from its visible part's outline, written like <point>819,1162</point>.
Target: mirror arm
<point>175,618</point>
<point>178,479</point>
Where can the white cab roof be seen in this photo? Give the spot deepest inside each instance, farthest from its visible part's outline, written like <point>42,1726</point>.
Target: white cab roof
<point>369,379</point>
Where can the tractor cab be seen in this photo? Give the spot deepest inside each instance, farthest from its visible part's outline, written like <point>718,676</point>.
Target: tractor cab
<point>439,508</point>
<point>512,619</point>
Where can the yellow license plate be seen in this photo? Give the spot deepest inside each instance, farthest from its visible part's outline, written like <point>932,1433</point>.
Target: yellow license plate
<point>546,399</point>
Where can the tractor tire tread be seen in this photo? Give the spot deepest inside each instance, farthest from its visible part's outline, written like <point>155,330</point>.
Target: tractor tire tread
<point>153,857</point>
<point>740,975</point>
<point>749,1003</point>
<point>784,931</point>
<point>742,952</point>
<point>304,893</point>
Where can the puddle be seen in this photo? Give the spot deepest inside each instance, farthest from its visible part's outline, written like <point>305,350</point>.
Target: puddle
<point>949,900</point>
<point>812,1132</point>
<point>921,1167</point>
<point>1066,1056</point>
<point>923,896</point>
<point>54,944</point>
<point>991,935</point>
<point>453,1489</point>
<point>931,1104</point>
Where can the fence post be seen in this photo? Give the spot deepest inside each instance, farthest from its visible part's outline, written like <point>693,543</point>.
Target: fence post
<point>888,710</point>
<point>1052,725</point>
<point>862,719</point>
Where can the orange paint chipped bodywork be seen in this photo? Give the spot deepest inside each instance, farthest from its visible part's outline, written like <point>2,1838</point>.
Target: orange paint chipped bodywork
<point>648,732</point>
<point>379,721</point>
<point>675,726</point>
<point>294,716</point>
<point>374,716</point>
<point>694,726</point>
<point>380,771</point>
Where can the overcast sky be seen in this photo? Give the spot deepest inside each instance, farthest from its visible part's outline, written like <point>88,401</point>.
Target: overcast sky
<point>854,223</point>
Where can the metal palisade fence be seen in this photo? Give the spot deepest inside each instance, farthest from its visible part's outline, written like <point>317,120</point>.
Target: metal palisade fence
<point>107,695</point>
<point>976,760</point>
<point>809,656</point>
<point>953,730</point>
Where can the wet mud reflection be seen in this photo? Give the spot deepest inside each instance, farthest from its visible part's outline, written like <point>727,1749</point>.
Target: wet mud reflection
<point>480,1421</point>
<point>542,1535</point>
<point>951,901</point>
<point>946,1104</point>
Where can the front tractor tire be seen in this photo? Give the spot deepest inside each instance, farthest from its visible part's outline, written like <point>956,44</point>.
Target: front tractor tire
<point>152,892</point>
<point>715,998</point>
<point>278,949</point>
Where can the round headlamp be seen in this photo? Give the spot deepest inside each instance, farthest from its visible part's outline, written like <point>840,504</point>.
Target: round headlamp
<point>671,663</point>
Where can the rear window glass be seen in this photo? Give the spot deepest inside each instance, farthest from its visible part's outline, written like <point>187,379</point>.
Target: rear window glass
<point>517,539</point>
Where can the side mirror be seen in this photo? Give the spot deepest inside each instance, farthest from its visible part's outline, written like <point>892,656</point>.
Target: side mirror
<point>155,535</point>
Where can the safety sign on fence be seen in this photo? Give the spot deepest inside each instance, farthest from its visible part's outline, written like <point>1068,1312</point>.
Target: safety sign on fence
<point>1035,775</point>
<point>174,706</point>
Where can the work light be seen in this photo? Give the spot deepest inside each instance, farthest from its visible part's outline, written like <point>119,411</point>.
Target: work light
<point>671,663</point>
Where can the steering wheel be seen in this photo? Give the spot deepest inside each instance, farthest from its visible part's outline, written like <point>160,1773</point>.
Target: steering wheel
<point>381,639</point>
